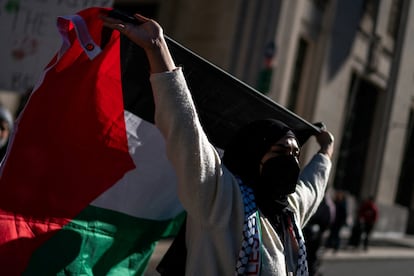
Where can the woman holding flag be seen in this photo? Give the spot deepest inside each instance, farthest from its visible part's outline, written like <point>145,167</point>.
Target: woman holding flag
<point>245,211</point>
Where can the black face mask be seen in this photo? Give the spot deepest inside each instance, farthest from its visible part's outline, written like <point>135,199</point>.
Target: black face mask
<point>279,177</point>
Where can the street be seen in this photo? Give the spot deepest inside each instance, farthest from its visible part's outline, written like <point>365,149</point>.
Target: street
<point>380,260</point>
<point>377,267</point>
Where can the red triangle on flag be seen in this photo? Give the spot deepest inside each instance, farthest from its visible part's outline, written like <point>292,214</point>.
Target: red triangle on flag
<point>69,146</point>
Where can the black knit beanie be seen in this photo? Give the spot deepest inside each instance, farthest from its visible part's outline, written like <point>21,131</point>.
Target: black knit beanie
<point>246,149</point>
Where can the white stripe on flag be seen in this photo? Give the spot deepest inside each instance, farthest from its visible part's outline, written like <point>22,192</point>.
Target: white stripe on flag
<point>149,191</point>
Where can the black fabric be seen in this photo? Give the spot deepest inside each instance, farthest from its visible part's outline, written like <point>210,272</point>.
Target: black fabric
<point>173,262</point>
<point>224,103</point>
<point>272,209</point>
<point>243,154</point>
<point>136,87</point>
<point>280,176</point>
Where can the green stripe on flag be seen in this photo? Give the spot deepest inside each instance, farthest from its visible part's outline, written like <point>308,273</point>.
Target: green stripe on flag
<point>102,242</point>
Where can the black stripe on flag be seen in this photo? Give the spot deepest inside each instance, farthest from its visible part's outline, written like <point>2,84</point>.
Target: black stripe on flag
<point>223,102</point>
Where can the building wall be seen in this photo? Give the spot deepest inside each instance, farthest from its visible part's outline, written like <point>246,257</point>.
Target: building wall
<point>286,38</point>
<point>206,27</point>
<point>254,37</point>
<point>401,89</point>
<point>350,52</point>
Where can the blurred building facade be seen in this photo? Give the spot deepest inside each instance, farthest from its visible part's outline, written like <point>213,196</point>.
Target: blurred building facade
<point>346,63</point>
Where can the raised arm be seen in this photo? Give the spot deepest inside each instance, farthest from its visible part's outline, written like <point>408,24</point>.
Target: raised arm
<point>313,179</point>
<point>196,162</point>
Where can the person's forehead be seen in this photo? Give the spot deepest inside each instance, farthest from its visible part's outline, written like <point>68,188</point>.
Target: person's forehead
<point>287,141</point>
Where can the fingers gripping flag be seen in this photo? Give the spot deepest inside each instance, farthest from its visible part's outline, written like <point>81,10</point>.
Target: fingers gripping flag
<point>86,187</point>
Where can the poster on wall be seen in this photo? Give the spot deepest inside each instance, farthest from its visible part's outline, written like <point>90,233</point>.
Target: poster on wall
<point>29,38</point>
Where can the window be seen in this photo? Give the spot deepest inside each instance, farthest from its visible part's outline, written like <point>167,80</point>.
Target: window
<point>405,194</point>
<point>297,74</point>
<point>394,18</point>
<point>370,7</point>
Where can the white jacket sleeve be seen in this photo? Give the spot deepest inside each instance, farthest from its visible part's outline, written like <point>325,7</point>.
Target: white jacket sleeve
<point>197,164</point>
<point>310,190</point>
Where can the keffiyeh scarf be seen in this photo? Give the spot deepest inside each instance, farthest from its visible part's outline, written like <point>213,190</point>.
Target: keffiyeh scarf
<point>249,259</point>
<point>249,255</point>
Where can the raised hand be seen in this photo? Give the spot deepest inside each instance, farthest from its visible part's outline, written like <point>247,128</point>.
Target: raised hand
<point>325,140</point>
<point>149,36</point>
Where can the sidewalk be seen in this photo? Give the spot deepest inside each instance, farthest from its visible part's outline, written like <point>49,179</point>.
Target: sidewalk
<point>383,245</point>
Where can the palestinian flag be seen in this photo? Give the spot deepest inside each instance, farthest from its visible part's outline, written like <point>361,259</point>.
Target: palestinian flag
<point>86,186</point>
